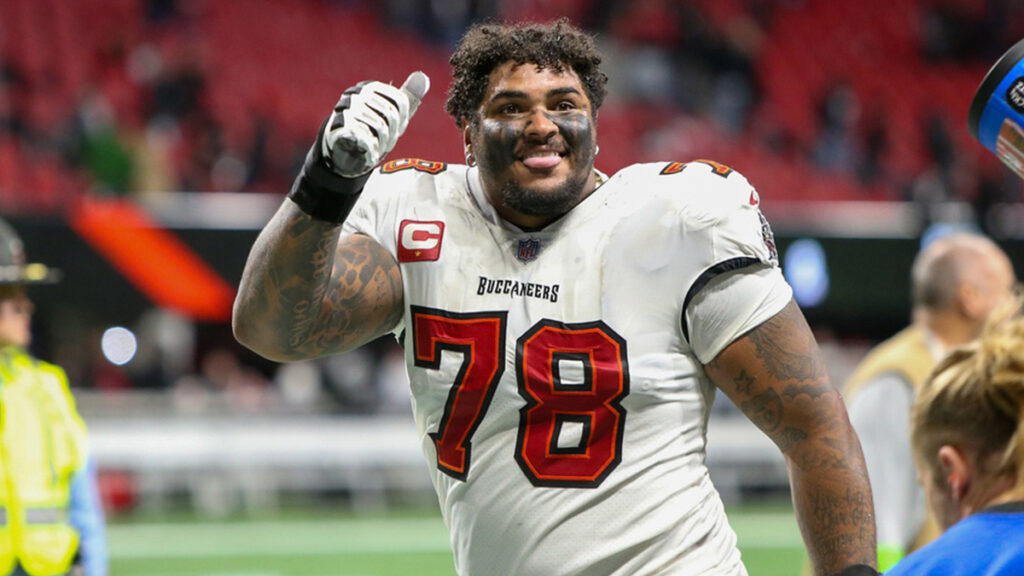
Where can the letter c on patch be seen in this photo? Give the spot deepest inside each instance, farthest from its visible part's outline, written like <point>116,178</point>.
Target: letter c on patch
<point>420,240</point>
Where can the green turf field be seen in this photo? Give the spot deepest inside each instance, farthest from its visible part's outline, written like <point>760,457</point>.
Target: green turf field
<point>394,545</point>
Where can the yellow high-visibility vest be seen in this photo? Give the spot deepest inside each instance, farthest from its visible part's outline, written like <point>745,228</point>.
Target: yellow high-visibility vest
<point>42,445</point>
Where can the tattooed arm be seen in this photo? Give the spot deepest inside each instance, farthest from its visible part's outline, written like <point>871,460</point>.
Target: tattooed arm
<point>306,293</point>
<point>776,375</point>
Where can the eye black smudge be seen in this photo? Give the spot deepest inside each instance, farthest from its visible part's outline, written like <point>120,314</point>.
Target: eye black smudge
<point>578,132</point>
<point>500,148</point>
<point>501,141</point>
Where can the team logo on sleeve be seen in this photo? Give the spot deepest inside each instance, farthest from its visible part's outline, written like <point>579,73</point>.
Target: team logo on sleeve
<point>769,238</point>
<point>528,249</point>
<point>420,240</point>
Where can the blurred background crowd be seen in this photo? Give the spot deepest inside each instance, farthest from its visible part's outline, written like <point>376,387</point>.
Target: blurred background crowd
<point>146,101</point>
<point>813,99</point>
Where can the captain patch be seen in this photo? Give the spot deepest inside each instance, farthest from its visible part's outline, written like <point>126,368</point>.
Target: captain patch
<point>420,240</point>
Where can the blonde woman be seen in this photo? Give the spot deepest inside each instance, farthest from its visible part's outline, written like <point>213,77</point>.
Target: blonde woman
<point>968,439</point>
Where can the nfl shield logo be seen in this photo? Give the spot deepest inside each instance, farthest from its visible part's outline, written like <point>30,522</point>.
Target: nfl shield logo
<point>528,250</point>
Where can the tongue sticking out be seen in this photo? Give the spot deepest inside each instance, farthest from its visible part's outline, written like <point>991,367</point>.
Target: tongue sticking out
<point>542,161</point>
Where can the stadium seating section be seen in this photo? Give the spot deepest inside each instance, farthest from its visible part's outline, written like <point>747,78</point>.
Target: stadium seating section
<point>289,59</point>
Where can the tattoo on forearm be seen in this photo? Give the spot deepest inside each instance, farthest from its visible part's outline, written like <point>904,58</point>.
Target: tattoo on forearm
<point>304,309</point>
<point>844,521</point>
<point>789,437</point>
<point>835,511</point>
<point>817,457</point>
<point>775,374</point>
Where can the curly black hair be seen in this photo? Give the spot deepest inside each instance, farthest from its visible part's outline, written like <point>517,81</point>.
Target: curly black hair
<point>486,46</point>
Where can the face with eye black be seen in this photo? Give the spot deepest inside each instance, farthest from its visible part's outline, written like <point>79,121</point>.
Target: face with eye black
<point>534,140</point>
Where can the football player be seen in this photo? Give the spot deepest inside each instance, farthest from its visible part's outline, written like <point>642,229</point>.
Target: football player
<point>564,330</point>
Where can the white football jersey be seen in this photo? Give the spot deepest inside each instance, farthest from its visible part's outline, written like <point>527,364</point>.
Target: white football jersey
<point>560,405</point>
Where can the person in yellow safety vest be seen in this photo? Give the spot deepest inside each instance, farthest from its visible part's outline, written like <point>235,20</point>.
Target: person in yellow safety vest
<point>956,282</point>
<point>51,521</point>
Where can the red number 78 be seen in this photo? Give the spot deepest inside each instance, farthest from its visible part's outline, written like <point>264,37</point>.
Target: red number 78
<point>592,405</point>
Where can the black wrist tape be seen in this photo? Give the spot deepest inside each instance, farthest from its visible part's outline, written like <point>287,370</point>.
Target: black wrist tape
<point>325,195</point>
<point>858,570</point>
<point>321,192</point>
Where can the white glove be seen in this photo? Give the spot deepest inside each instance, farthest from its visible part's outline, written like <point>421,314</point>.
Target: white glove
<point>367,122</point>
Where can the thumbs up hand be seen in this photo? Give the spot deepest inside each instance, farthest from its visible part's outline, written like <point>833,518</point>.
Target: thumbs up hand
<point>367,122</point>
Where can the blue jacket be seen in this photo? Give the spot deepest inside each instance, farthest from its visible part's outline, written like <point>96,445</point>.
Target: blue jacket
<point>987,543</point>
<point>87,517</point>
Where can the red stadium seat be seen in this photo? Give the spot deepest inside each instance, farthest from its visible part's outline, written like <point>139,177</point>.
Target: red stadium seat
<point>290,60</point>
